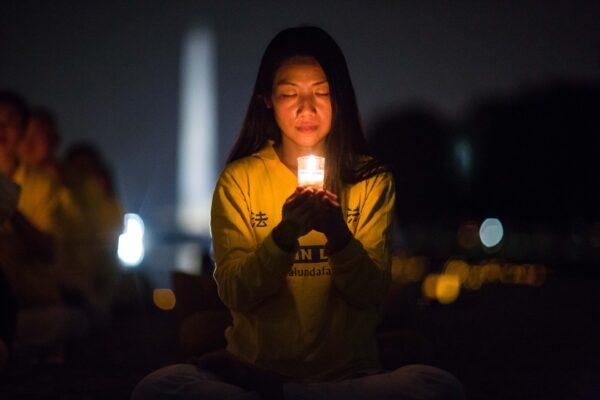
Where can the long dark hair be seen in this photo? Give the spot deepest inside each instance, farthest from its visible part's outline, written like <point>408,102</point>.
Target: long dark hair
<point>346,147</point>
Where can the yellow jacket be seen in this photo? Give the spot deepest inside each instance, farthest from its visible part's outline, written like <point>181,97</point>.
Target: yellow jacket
<point>39,195</point>
<point>34,283</point>
<point>304,314</point>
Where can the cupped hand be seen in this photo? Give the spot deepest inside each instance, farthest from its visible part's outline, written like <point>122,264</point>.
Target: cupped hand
<point>298,217</point>
<point>307,209</point>
<point>299,209</point>
<point>330,220</point>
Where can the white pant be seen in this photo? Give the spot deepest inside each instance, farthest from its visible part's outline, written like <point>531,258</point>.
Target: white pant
<point>411,382</point>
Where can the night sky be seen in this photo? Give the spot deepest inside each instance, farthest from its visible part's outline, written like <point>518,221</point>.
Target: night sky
<point>110,70</point>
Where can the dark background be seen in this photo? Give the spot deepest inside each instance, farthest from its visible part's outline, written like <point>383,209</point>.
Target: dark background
<point>110,69</point>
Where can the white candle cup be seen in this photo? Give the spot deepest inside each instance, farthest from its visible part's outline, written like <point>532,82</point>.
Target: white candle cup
<point>311,171</point>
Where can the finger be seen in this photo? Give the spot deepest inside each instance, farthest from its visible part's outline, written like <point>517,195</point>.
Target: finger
<point>318,205</point>
<point>331,195</point>
<point>310,190</point>
<point>299,198</point>
<point>295,193</point>
<point>307,206</point>
<point>326,194</point>
<point>299,190</point>
<point>331,203</point>
<point>320,194</point>
<point>308,196</point>
<point>320,200</point>
<point>316,199</point>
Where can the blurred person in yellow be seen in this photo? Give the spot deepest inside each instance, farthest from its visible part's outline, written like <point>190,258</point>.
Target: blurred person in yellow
<point>27,242</point>
<point>303,271</point>
<point>37,172</point>
<point>88,223</point>
<point>27,246</point>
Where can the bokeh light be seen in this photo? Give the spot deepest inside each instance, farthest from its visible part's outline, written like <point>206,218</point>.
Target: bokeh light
<point>131,242</point>
<point>164,299</point>
<point>513,274</point>
<point>429,286</point>
<point>491,232</point>
<point>459,268</point>
<point>447,288</point>
<point>441,287</point>
<point>475,279</point>
<point>491,272</point>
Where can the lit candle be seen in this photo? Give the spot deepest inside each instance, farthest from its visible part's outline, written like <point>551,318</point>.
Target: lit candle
<point>311,171</point>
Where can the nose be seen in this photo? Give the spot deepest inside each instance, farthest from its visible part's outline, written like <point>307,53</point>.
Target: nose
<point>306,104</point>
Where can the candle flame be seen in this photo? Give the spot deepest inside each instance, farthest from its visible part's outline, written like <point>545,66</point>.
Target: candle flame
<point>311,171</point>
<point>311,162</point>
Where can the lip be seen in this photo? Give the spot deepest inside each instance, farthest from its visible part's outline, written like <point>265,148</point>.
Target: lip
<point>307,127</point>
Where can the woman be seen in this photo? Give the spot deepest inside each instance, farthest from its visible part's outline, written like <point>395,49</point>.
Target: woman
<point>302,270</point>
<point>88,225</point>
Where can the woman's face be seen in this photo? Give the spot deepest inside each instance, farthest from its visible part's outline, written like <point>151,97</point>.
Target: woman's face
<point>301,103</point>
<point>34,148</point>
<point>11,129</point>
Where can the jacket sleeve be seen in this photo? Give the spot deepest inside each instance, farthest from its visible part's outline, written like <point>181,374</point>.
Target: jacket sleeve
<point>362,269</point>
<point>246,272</point>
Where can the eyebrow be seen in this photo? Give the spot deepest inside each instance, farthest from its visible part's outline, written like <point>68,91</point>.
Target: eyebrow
<point>286,82</point>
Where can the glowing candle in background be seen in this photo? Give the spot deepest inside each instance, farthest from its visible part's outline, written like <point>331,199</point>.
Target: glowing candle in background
<point>311,171</point>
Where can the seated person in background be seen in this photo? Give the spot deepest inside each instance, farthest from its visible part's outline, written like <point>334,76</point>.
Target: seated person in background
<point>36,172</point>
<point>88,223</point>
<point>27,242</point>
<point>27,245</point>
